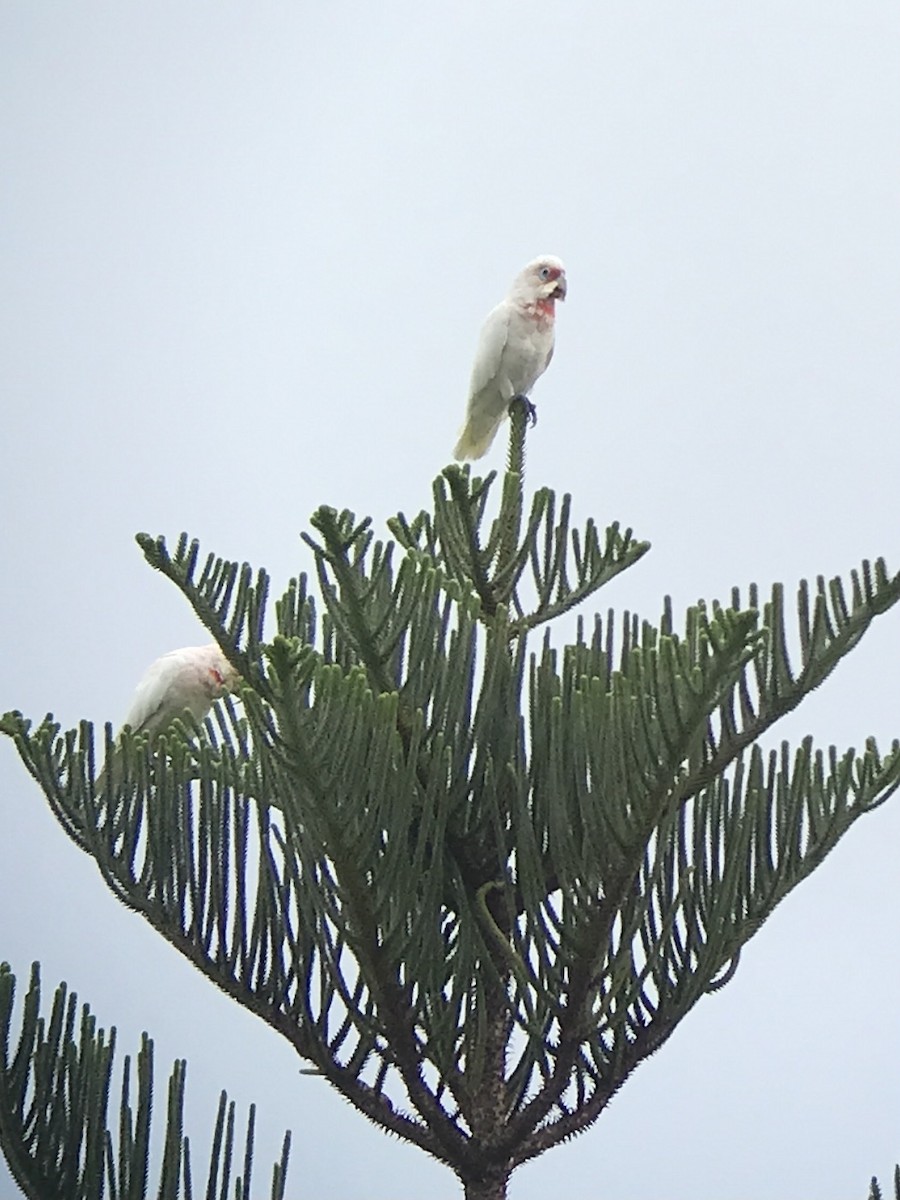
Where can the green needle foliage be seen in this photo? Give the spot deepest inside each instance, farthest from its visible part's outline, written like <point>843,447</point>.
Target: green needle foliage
<point>473,878</point>
<point>54,1095</point>
<point>875,1192</point>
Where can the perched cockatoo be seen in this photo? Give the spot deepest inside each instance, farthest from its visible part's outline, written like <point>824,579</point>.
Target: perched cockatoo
<point>189,680</point>
<point>514,350</point>
<point>186,680</point>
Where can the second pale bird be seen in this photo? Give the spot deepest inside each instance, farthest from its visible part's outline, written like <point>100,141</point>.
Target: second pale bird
<point>186,680</point>
<point>514,350</point>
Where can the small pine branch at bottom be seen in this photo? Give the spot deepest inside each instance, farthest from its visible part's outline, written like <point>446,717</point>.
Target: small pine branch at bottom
<point>67,1151</point>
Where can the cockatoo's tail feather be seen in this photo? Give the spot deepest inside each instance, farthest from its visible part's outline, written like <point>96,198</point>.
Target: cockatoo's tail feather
<point>476,436</point>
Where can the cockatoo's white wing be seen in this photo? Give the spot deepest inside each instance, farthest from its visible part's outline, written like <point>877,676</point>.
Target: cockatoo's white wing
<point>491,344</point>
<point>152,693</point>
<point>488,387</point>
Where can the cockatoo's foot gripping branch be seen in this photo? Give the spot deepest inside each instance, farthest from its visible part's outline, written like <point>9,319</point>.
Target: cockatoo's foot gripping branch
<point>530,409</point>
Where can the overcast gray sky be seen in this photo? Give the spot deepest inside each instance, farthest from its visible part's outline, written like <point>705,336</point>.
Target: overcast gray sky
<point>246,251</point>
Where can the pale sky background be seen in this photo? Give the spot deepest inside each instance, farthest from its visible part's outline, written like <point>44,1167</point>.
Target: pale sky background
<point>246,251</point>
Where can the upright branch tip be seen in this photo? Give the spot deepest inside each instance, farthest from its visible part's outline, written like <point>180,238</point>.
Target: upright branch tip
<point>521,413</point>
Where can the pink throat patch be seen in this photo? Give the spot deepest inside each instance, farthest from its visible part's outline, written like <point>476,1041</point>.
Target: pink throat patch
<point>546,307</point>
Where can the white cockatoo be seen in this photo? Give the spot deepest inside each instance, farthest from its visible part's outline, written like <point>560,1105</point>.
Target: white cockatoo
<point>186,680</point>
<point>514,350</point>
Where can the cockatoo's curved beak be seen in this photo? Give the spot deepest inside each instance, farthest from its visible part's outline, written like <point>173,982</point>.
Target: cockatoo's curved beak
<point>559,292</point>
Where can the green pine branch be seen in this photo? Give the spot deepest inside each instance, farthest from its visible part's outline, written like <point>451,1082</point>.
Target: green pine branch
<point>55,1132</point>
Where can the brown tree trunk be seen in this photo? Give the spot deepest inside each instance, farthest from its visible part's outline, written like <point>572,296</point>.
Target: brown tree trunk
<point>487,1189</point>
<point>490,1103</point>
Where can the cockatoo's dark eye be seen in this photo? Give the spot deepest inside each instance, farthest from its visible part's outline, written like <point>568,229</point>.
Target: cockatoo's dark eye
<point>544,272</point>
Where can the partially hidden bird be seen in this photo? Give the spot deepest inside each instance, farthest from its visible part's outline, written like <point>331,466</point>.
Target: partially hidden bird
<point>514,350</point>
<point>187,680</point>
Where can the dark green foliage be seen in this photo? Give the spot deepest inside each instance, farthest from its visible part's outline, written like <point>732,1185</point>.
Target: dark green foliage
<point>54,1096</point>
<point>475,881</point>
<point>875,1192</point>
